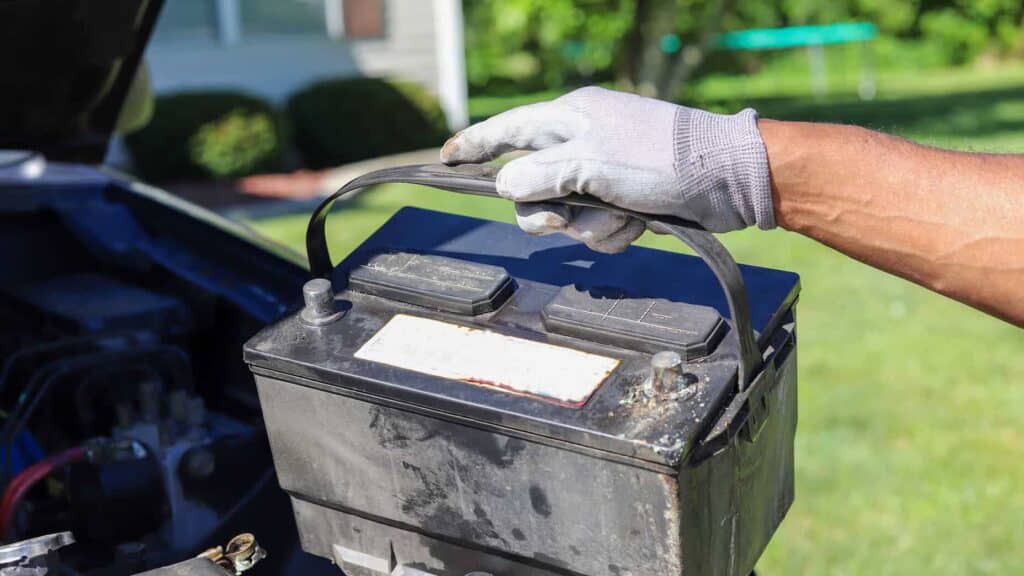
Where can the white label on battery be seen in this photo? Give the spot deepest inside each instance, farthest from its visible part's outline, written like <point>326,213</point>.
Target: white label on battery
<point>484,358</point>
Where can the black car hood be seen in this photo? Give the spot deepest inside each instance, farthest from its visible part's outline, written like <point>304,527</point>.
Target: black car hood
<point>65,69</point>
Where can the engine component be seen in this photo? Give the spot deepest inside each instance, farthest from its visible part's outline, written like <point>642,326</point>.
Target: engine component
<point>92,360</point>
<point>90,303</point>
<point>184,439</point>
<point>27,479</point>
<point>239,555</point>
<point>38,556</point>
<point>420,438</point>
<point>33,557</point>
<point>165,477</point>
<point>117,494</point>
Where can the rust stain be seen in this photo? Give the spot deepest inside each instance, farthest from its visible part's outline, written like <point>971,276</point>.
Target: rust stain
<point>672,513</point>
<point>515,391</point>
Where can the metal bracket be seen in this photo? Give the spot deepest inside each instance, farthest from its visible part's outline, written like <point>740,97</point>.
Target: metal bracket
<point>745,415</point>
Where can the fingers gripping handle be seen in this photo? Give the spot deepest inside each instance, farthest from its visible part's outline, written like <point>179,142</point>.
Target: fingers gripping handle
<point>479,180</point>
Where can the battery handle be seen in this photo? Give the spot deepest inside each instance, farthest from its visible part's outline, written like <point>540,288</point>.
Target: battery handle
<point>479,180</point>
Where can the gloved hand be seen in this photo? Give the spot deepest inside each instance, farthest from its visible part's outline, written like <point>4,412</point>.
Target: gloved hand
<point>639,153</point>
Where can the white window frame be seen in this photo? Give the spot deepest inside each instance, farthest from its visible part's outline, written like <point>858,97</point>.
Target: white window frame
<point>229,21</point>
<point>334,17</point>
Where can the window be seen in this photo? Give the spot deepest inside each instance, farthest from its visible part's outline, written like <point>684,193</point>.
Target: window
<point>282,17</point>
<point>231,21</point>
<point>187,21</point>
<point>363,18</point>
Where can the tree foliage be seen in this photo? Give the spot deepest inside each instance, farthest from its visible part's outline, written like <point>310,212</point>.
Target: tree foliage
<point>542,42</point>
<point>653,46</point>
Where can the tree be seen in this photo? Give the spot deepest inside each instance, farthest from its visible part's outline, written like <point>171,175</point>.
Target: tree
<point>543,43</point>
<point>655,47</point>
<point>648,46</point>
<point>667,42</point>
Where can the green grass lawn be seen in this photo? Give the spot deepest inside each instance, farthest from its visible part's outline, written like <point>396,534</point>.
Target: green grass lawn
<point>910,453</point>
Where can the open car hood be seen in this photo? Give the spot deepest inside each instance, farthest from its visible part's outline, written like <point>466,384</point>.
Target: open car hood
<point>65,69</point>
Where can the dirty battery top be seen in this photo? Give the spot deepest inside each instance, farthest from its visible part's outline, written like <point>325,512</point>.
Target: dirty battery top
<point>476,322</point>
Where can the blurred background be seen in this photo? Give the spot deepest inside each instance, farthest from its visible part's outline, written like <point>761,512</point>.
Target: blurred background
<point>910,456</point>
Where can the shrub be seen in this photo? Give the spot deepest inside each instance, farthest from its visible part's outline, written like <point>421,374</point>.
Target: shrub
<point>208,134</point>
<point>961,36</point>
<point>235,144</point>
<point>346,120</point>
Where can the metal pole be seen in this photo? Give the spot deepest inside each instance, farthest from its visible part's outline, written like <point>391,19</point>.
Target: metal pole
<point>819,77</point>
<point>867,87</point>
<point>451,62</point>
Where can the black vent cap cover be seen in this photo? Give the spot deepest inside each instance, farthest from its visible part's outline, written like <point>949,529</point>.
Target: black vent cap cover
<point>610,316</point>
<point>431,281</point>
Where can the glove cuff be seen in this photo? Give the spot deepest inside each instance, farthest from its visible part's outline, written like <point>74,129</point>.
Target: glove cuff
<point>723,159</point>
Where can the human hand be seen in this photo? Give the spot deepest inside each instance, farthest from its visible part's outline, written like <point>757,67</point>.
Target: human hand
<point>638,153</point>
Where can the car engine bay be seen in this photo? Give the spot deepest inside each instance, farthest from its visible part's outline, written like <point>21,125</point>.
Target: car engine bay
<point>127,414</point>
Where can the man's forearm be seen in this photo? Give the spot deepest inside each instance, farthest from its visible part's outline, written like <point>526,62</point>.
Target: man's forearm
<point>950,221</point>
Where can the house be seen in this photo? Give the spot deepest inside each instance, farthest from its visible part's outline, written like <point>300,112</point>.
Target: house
<point>275,47</point>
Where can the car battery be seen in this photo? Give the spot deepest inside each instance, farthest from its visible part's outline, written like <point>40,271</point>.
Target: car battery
<point>460,398</point>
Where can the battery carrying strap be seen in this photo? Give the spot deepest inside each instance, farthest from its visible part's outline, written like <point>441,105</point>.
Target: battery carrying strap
<point>479,180</point>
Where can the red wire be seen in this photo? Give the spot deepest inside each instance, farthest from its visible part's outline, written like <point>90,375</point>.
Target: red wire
<point>29,477</point>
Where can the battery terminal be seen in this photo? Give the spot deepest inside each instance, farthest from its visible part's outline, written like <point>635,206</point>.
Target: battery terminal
<point>667,379</point>
<point>318,297</point>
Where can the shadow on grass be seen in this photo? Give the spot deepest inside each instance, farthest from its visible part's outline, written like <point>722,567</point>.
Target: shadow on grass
<point>961,114</point>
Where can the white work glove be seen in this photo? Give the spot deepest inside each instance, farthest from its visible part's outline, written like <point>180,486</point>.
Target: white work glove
<point>638,153</point>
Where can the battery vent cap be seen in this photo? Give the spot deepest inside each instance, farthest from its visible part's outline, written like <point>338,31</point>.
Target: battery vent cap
<point>431,281</point>
<point>609,316</point>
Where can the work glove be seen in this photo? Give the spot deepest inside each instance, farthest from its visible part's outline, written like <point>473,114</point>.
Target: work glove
<point>638,153</point>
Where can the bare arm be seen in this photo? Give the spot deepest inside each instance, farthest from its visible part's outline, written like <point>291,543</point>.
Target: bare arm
<point>950,221</point>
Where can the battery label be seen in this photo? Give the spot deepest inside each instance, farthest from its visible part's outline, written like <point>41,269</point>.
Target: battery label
<point>485,358</point>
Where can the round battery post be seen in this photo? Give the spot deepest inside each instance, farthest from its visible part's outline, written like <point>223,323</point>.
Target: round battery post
<point>667,377</point>
<point>318,296</point>
<point>666,368</point>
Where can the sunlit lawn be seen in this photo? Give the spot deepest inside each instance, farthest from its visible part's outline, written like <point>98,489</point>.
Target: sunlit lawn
<point>910,450</point>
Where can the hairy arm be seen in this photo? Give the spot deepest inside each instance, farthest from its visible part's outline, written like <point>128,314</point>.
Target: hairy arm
<point>950,221</point>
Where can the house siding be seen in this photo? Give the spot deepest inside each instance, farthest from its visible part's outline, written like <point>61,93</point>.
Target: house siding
<point>275,67</point>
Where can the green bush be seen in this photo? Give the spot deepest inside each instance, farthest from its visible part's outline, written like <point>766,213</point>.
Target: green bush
<point>346,120</point>
<point>208,134</point>
<point>960,36</point>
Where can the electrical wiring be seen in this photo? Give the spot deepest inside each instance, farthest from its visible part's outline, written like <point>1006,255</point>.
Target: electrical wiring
<point>173,358</point>
<point>59,348</point>
<point>66,347</point>
<point>26,479</point>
